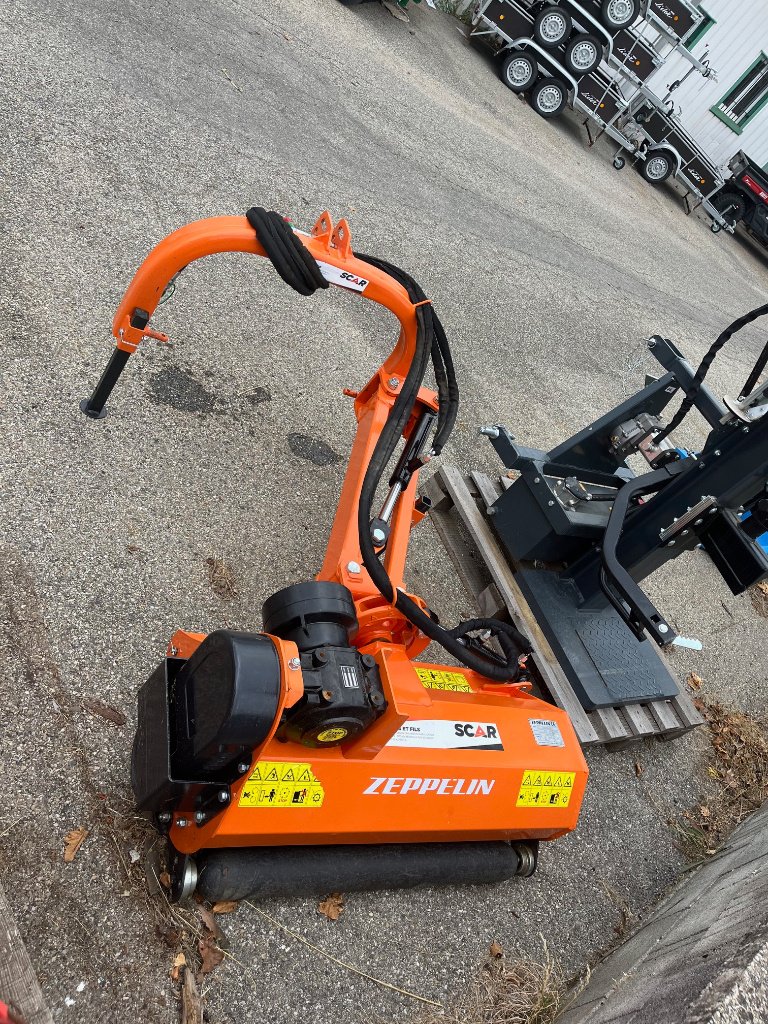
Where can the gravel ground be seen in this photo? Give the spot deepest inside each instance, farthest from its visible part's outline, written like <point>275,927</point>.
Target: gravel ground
<point>120,123</point>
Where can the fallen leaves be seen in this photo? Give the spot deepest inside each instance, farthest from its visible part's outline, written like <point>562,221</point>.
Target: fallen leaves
<point>210,922</point>
<point>72,842</point>
<point>694,681</point>
<point>638,769</point>
<point>496,950</point>
<point>98,707</point>
<point>210,954</point>
<point>738,777</point>
<point>225,906</point>
<point>332,906</point>
<point>179,962</point>
<point>221,579</point>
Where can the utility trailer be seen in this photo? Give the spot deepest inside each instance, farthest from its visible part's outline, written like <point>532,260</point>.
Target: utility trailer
<point>543,51</point>
<point>534,43</point>
<point>743,198</point>
<point>663,148</point>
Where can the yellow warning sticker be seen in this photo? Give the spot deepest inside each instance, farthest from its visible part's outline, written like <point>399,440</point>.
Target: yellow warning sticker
<point>546,789</point>
<point>439,679</point>
<point>282,784</point>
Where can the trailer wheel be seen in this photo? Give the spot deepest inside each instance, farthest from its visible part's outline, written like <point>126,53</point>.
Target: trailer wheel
<point>583,54</point>
<point>518,71</point>
<point>618,13</point>
<point>657,167</point>
<point>552,26</point>
<point>731,205</point>
<point>619,162</point>
<point>548,97</point>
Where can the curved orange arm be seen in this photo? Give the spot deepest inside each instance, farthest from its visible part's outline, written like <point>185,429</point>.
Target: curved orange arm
<point>330,246</point>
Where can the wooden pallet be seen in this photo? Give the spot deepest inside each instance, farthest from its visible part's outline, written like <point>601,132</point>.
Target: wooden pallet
<point>459,513</point>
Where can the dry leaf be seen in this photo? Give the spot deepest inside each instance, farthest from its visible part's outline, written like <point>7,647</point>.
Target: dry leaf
<point>210,954</point>
<point>165,880</point>
<point>332,906</point>
<point>210,922</point>
<point>694,681</point>
<point>178,963</point>
<point>97,707</point>
<point>704,811</point>
<point>496,949</point>
<point>638,769</point>
<point>225,906</point>
<point>72,842</point>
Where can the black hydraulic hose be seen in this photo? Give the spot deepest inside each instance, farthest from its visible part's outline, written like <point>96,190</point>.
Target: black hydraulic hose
<point>297,267</point>
<point>690,399</point>
<point>756,374</point>
<point>287,253</point>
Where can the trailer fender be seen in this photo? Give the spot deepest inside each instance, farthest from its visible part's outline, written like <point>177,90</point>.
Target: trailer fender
<point>670,151</point>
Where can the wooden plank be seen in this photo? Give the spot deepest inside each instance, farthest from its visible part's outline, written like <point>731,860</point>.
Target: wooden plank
<point>685,708</point>
<point>639,720</point>
<point>520,613</point>
<point>19,987</point>
<point>612,725</point>
<point>486,488</point>
<point>668,722</point>
<point>490,602</point>
<point>432,490</point>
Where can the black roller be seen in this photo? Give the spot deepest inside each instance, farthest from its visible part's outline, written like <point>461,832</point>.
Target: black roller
<point>236,874</point>
<point>314,614</point>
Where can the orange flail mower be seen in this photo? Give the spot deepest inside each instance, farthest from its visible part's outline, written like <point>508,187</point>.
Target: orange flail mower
<point>320,753</point>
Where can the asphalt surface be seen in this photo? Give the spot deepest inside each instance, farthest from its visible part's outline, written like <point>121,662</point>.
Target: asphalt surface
<point>122,122</point>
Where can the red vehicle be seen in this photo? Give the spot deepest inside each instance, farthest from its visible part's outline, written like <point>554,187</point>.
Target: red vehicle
<point>744,197</point>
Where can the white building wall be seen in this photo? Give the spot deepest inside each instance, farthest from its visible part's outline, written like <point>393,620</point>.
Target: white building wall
<point>734,42</point>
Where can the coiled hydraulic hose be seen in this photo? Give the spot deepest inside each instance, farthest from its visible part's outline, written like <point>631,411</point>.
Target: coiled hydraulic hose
<point>292,261</point>
<point>690,399</point>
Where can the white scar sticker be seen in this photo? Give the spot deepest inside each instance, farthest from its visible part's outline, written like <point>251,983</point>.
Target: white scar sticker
<point>447,735</point>
<point>342,278</point>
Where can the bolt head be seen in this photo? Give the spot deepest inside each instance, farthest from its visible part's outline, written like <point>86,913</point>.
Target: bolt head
<point>223,796</point>
<point>294,664</point>
<point>164,818</point>
<point>663,628</point>
<point>537,479</point>
<point>378,536</point>
<point>550,503</point>
<point>182,822</point>
<point>717,451</point>
<point>243,767</point>
<point>353,567</point>
<point>199,817</point>
<point>671,544</point>
<point>394,382</point>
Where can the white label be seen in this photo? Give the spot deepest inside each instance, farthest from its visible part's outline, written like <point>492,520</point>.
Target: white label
<point>546,732</point>
<point>447,735</point>
<point>342,278</point>
<point>349,677</point>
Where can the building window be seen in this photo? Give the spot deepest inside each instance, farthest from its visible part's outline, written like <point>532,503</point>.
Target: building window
<point>700,29</point>
<point>746,98</point>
